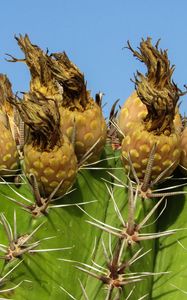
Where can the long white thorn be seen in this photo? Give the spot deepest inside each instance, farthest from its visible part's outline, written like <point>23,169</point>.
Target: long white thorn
<point>131,209</point>
<point>83,290</point>
<point>115,206</point>
<point>97,221</point>
<point>88,154</point>
<point>49,250</point>
<point>94,247</point>
<point>18,194</point>
<point>143,297</point>
<point>72,204</point>
<point>117,127</point>
<point>136,257</point>
<point>109,292</point>
<point>150,236</point>
<point>91,268</point>
<point>106,228</point>
<point>15,226</point>
<point>181,245</point>
<point>121,250</point>
<point>13,288</point>
<point>7,227</point>
<point>161,175</point>
<point>99,267</point>
<point>110,245</point>
<point>113,183</point>
<point>3,249</point>
<point>184,292</point>
<point>130,293</point>
<point>32,233</point>
<point>159,215</point>
<point>60,197</point>
<point>14,200</point>
<point>83,264</point>
<point>70,295</point>
<point>9,272</point>
<point>119,180</point>
<point>170,187</point>
<point>105,251</point>
<point>101,160</point>
<point>89,272</point>
<point>139,226</point>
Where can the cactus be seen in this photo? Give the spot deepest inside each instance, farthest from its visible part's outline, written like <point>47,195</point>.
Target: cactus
<point>105,237</point>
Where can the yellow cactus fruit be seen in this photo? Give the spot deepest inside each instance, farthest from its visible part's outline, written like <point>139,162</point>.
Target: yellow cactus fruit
<point>51,167</point>
<point>86,133</point>
<point>134,110</point>
<point>150,115</point>
<point>48,155</point>
<point>9,159</point>
<point>79,112</point>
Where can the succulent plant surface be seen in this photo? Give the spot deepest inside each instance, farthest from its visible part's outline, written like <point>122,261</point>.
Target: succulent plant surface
<point>90,210</point>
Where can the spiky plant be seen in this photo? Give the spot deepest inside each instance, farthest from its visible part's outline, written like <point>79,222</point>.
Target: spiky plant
<point>150,116</point>
<point>120,244</point>
<point>9,161</point>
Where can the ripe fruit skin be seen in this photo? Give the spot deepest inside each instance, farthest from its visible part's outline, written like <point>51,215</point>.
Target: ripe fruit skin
<point>87,133</point>
<point>9,153</point>
<point>139,143</point>
<point>183,158</point>
<point>150,115</point>
<point>133,110</point>
<point>9,159</point>
<point>51,167</point>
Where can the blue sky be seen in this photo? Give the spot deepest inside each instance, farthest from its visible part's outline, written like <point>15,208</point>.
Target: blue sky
<point>93,33</point>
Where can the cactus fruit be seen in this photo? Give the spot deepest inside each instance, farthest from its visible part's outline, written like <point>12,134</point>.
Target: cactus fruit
<point>153,125</point>
<point>134,110</point>
<point>48,155</point>
<point>78,109</point>
<point>9,161</point>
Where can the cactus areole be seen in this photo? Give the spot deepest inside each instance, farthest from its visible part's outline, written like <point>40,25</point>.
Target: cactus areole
<point>144,128</point>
